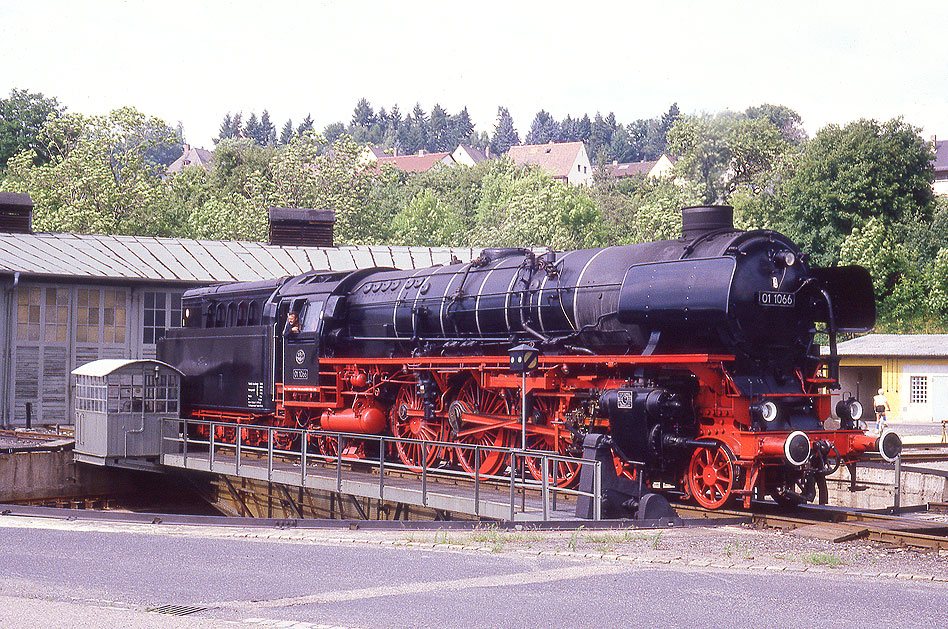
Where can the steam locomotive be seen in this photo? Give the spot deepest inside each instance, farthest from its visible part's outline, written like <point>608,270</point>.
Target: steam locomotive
<point>697,357</point>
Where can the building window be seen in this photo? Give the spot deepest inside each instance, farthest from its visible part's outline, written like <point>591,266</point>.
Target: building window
<point>56,317</point>
<point>161,311</point>
<point>87,315</point>
<point>101,315</point>
<point>918,390</point>
<point>28,318</point>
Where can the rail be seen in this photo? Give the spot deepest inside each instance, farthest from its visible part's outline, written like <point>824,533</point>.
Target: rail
<point>231,457</point>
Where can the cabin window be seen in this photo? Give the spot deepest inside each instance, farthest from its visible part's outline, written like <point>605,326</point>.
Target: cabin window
<point>253,318</point>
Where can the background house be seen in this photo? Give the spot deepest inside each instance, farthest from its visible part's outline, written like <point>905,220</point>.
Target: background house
<point>190,157</point>
<point>69,299</point>
<point>421,163</point>
<point>651,169</point>
<point>912,368</point>
<point>566,161</point>
<point>941,166</point>
<point>467,155</point>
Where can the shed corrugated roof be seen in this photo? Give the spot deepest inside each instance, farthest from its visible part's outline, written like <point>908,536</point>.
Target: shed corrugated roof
<point>193,261</point>
<point>895,345</point>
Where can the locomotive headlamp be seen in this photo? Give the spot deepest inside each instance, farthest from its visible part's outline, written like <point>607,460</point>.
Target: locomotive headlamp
<point>784,258</point>
<point>849,409</point>
<point>766,411</point>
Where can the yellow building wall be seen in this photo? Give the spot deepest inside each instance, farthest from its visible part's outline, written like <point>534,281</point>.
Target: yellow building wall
<point>895,380</point>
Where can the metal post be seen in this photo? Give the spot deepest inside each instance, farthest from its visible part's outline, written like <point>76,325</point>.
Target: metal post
<point>381,467</point>
<point>339,463</point>
<point>546,489</point>
<point>304,437</point>
<point>477,480</point>
<point>185,443</point>
<point>513,477</point>
<point>210,442</point>
<point>424,474</point>
<point>897,488</point>
<point>269,455</point>
<point>523,412</point>
<point>597,492</point>
<point>237,460</point>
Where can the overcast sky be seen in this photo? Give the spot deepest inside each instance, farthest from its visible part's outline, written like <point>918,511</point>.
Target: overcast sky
<point>193,61</point>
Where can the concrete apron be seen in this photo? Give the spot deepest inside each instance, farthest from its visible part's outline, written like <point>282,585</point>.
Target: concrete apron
<point>875,486</point>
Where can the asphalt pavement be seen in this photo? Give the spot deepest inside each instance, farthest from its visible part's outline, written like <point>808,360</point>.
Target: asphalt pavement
<point>94,574</point>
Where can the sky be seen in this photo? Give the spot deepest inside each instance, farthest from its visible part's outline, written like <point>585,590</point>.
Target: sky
<point>195,61</point>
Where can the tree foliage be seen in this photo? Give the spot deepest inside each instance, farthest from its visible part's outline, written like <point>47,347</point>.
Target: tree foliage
<point>22,118</point>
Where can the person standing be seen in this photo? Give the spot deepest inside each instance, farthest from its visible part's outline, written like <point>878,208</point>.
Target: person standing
<point>880,404</point>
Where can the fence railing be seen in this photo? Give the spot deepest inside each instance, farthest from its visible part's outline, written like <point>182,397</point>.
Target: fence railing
<point>178,439</point>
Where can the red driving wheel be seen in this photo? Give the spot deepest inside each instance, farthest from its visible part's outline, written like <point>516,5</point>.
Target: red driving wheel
<point>710,476</point>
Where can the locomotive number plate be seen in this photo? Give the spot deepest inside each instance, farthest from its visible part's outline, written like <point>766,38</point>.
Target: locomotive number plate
<point>300,374</point>
<point>776,298</point>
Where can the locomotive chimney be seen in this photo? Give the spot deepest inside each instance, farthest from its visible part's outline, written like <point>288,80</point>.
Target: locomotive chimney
<point>293,227</point>
<point>16,213</point>
<point>700,219</point>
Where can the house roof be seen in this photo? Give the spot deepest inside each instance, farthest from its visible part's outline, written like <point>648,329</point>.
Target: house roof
<point>554,158</point>
<point>191,157</point>
<point>941,155</point>
<point>630,169</point>
<point>895,345</point>
<point>142,258</point>
<point>414,163</point>
<point>476,154</point>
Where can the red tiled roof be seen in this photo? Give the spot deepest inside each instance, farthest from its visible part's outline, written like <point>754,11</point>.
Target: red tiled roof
<point>629,169</point>
<point>413,163</point>
<point>556,159</point>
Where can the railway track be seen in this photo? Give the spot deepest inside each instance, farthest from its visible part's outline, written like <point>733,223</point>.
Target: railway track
<point>843,524</point>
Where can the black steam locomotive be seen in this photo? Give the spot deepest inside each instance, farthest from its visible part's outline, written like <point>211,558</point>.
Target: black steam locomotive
<point>697,356</point>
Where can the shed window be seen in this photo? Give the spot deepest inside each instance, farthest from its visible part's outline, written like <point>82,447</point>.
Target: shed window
<point>28,318</point>
<point>161,311</point>
<point>918,390</point>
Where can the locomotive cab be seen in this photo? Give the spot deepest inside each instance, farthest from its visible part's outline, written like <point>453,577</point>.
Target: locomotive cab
<point>300,340</point>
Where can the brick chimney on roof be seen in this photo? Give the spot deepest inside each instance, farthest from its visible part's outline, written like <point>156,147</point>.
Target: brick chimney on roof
<point>294,227</point>
<point>16,213</point>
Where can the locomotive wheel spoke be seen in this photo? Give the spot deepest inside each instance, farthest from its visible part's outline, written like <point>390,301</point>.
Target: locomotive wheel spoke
<point>711,476</point>
<point>563,474</point>
<point>475,400</point>
<point>408,422</point>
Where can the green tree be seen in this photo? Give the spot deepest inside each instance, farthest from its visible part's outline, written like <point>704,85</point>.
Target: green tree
<point>22,118</point>
<point>505,134</point>
<point>98,179</point>
<point>287,133</point>
<point>543,129</point>
<point>428,221</point>
<point>847,175</point>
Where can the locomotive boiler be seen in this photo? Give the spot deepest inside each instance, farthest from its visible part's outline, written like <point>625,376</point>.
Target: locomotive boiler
<point>698,357</point>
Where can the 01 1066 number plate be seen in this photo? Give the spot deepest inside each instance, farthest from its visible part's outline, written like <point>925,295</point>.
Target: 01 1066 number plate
<point>776,298</point>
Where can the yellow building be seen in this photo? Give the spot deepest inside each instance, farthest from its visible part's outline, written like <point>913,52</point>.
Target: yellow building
<point>911,368</point>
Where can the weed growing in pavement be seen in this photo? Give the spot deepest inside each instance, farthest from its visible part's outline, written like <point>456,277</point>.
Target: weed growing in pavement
<point>656,539</point>
<point>822,559</point>
<point>571,544</point>
<point>736,549</point>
